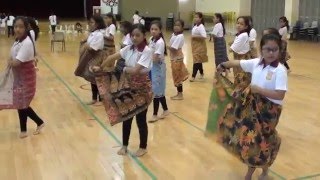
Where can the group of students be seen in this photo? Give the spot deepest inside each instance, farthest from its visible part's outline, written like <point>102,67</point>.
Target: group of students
<point>129,80</point>
<point>6,21</point>
<point>247,124</point>
<point>143,62</point>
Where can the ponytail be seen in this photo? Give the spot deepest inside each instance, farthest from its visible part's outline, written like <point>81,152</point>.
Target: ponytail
<point>114,21</point>
<point>219,16</point>
<point>158,23</point>
<point>165,45</point>
<point>285,20</point>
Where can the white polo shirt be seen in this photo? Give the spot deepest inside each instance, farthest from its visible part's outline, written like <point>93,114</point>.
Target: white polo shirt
<point>126,40</point>
<point>136,19</point>
<point>177,41</point>
<point>133,57</point>
<point>10,20</point>
<point>96,40</point>
<point>53,20</point>
<point>199,30</point>
<point>23,51</point>
<point>218,30</point>
<point>272,78</point>
<point>157,47</point>
<point>283,32</point>
<point>110,30</point>
<point>252,35</point>
<point>241,44</point>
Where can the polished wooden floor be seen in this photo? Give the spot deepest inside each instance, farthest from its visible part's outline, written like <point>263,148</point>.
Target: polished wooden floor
<point>78,144</point>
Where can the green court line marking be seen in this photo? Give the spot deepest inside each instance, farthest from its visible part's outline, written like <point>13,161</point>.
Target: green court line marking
<point>202,130</point>
<point>89,111</point>
<point>307,177</point>
<point>188,122</point>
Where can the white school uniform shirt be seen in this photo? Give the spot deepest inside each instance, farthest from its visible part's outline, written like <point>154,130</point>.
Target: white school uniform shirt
<point>23,51</point>
<point>96,40</point>
<point>157,47</point>
<point>142,21</point>
<point>3,22</point>
<point>33,35</point>
<point>126,40</point>
<point>241,44</point>
<point>283,32</point>
<point>133,57</point>
<point>110,30</point>
<point>136,18</point>
<point>10,20</point>
<point>199,30</point>
<point>218,30</point>
<point>252,35</point>
<point>271,78</point>
<point>53,20</point>
<point>177,41</point>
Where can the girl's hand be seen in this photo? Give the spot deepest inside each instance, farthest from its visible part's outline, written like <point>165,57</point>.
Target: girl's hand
<point>94,68</point>
<point>255,89</point>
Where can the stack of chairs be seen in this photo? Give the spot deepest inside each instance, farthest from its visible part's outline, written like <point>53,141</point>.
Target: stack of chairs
<point>313,31</point>
<point>303,31</point>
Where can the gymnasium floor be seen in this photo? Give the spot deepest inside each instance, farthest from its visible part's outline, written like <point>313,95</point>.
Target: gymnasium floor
<point>79,144</point>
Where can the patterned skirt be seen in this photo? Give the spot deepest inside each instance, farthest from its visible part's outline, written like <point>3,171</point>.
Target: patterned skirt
<point>220,50</point>
<point>88,58</point>
<point>124,96</point>
<point>237,56</point>
<point>199,50</point>
<point>179,71</point>
<point>158,78</point>
<point>253,51</point>
<point>247,126</point>
<point>109,47</point>
<point>18,86</point>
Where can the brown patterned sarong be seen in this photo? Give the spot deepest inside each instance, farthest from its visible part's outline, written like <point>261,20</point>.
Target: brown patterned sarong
<point>88,58</point>
<point>236,56</point>
<point>179,71</point>
<point>199,50</point>
<point>124,96</point>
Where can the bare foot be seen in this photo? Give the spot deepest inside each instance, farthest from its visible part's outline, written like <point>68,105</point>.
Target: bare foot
<point>141,152</point>
<point>23,135</point>
<point>123,151</point>
<point>38,130</point>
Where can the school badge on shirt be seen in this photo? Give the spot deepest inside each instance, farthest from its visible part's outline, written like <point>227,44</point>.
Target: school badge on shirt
<point>269,75</point>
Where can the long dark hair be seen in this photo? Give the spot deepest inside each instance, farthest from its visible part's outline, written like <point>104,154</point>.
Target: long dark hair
<point>27,32</point>
<point>141,28</point>
<point>200,15</point>
<point>272,31</point>
<point>114,21</point>
<point>126,26</point>
<point>285,20</point>
<point>34,27</point>
<point>271,37</point>
<point>246,22</point>
<point>221,20</point>
<point>99,22</point>
<point>158,23</point>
